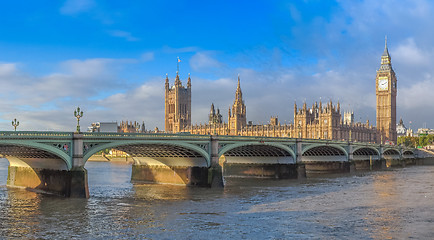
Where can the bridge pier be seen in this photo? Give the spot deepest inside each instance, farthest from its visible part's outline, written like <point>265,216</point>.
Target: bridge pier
<point>365,165</point>
<point>65,183</point>
<point>257,170</point>
<point>215,176</point>
<point>184,175</point>
<point>318,167</point>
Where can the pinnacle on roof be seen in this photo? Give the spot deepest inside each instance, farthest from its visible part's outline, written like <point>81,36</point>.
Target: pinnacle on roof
<point>386,51</point>
<point>238,93</point>
<point>189,81</point>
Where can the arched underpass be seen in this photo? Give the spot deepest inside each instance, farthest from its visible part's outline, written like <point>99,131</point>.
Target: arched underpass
<point>166,163</point>
<point>392,158</point>
<point>258,160</point>
<point>367,159</point>
<point>330,159</point>
<point>408,154</point>
<point>35,168</point>
<point>391,154</point>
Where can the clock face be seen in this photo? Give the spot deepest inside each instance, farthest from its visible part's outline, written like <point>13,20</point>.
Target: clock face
<point>383,84</point>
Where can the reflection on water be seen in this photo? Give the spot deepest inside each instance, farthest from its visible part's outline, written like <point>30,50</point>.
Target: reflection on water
<point>377,205</point>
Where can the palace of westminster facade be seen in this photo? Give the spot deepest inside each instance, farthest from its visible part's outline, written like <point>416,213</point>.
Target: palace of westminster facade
<point>321,121</point>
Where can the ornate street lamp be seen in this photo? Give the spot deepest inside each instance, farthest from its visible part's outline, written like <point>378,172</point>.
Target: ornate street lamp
<point>78,114</point>
<point>15,124</point>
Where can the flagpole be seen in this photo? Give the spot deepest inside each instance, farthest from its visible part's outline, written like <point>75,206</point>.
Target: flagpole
<point>177,66</point>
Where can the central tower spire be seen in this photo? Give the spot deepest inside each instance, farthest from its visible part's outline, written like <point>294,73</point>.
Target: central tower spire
<point>238,93</point>
<point>386,60</point>
<point>237,119</point>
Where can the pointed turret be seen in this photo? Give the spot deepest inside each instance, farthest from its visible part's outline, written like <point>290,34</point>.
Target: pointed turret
<point>189,81</point>
<point>320,105</point>
<point>177,80</point>
<point>143,127</point>
<point>386,60</point>
<point>386,51</point>
<point>238,93</point>
<point>167,81</point>
<point>212,111</point>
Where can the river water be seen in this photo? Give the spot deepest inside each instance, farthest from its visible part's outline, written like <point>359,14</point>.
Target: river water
<point>397,203</point>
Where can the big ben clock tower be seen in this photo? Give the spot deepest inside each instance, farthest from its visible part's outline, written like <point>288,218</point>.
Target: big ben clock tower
<point>386,90</point>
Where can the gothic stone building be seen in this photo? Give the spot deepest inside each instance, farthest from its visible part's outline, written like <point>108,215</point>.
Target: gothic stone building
<point>177,105</point>
<point>318,122</point>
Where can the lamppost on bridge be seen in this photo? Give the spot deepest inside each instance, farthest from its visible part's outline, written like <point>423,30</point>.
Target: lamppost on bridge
<point>78,114</point>
<point>15,124</point>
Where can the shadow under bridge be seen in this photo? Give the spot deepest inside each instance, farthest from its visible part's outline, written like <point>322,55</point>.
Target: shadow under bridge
<point>165,154</point>
<point>366,153</point>
<point>35,157</point>
<point>324,153</point>
<point>257,154</point>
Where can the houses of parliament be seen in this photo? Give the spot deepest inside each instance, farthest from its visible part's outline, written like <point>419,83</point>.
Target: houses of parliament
<point>323,120</point>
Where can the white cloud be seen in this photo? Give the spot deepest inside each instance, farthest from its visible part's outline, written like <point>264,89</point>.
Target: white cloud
<point>147,56</point>
<point>71,7</point>
<point>203,61</point>
<point>409,53</point>
<point>142,103</point>
<point>417,96</point>
<point>40,101</point>
<point>7,69</point>
<point>167,49</point>
<point>125,35</point>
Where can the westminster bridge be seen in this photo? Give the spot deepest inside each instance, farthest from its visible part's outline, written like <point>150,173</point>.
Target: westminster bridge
<point>54,161</point>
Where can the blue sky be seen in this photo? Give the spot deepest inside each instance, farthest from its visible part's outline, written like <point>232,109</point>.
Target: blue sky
<point>111,58</point>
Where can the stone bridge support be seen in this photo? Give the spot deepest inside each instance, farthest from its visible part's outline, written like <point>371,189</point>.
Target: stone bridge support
<point>215,173</point>
<point>46,170</point>
<point>301,167</point>
<point>185,163</point>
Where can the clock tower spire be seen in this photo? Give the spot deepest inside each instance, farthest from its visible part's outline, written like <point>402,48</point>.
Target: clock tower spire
<point>386,91</point>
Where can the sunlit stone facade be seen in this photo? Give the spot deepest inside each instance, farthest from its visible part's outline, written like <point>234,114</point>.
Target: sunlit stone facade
<point>321,121</point>
<point>177,105</point>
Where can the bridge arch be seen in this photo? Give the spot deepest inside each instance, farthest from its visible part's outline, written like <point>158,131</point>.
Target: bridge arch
<point>324,152</point>
<point>366,153</point>
<point>408,152</point>
<point>168,149</point>
<point>391,151</point>
<point>30,153</point>
<point>363,150</point>
<point>257,149</point>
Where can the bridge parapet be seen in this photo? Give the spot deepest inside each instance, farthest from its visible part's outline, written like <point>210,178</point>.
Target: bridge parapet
<point>34,134</point>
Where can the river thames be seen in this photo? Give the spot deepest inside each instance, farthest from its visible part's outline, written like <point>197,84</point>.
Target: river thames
<point>397,203</point>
